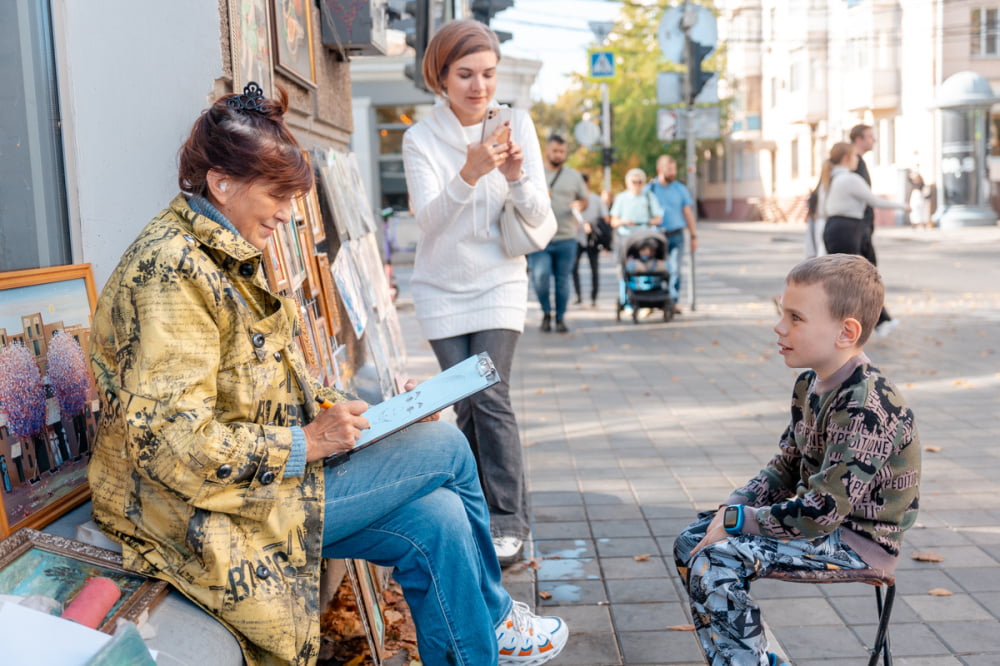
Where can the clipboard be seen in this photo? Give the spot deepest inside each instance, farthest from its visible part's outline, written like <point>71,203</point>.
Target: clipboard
<point>444,389</point>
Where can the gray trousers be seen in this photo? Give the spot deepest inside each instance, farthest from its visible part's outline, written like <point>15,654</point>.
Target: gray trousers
<point>487,420</point>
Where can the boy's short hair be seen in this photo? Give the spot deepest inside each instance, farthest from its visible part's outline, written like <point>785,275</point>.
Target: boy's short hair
<point>852,284</point>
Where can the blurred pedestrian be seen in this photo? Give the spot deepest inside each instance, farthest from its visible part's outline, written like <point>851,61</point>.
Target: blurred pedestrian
<point>848,195</point>
<point>677,205</point>
<point>593,236</point>
<point>635,207</point>
<point>553,266</point>
<point>918,199</point>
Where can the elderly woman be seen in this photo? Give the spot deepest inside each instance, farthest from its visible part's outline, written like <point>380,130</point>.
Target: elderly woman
<point>635,206</point>
<point>468,294</point>
<point>208,467</point>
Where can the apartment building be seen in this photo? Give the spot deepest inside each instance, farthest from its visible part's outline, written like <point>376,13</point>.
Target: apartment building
<point>802,72</point>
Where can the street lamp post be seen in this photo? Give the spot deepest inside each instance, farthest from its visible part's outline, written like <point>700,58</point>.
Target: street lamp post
<point>601,30</point>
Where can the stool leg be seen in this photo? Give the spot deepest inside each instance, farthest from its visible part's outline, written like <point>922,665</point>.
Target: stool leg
<point>882,637</point>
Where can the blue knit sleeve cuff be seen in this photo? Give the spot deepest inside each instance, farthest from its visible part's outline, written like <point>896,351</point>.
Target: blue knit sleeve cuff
<point>296,465</point>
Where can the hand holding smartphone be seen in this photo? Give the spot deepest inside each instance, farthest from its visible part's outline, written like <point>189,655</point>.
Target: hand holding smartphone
<point>495,117</point>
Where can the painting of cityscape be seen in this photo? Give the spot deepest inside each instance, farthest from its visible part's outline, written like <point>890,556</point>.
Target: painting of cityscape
<point>48,400</point>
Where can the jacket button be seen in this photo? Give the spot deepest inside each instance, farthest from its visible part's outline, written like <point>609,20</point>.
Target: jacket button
<point>224,471</point>
<point>246,270</point>
<point>263,572</point>
<point>267,478</point>
<point>257,340</point>
<point>277,356</point>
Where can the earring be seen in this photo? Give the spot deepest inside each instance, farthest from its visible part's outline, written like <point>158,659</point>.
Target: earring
<point>223,185</point>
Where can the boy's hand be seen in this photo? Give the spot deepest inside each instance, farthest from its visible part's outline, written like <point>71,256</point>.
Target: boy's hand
<point>715,532</point>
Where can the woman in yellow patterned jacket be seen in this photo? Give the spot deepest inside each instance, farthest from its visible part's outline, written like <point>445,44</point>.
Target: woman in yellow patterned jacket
<point>208,465</point>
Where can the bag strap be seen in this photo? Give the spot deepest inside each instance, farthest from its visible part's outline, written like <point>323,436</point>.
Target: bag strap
<point>554,179</point>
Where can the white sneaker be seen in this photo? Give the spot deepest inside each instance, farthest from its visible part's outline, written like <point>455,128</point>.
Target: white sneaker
<point>508,549</point>
<point>528,639</point>
<point>886,327</point>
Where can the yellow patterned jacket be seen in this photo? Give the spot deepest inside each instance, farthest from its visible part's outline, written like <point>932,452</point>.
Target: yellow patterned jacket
<point>199,382</point>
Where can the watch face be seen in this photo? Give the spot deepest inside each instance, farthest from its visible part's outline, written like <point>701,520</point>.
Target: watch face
<point>731,517</point>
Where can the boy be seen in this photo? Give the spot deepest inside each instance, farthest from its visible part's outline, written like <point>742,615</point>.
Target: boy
<point>843,486</point>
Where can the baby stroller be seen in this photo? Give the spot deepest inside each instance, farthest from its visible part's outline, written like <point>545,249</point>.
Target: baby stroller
<point>644,278</point>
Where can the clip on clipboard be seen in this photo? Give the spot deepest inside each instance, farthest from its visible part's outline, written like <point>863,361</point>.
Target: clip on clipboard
<point>440,391</point>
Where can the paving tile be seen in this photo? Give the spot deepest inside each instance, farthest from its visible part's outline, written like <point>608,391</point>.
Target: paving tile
<point>570,593</point>
<point>648,616</point>
<point>565,548</point>
<point>555,514</point>
<point>619,528</point>
<point>565,530</point>
<point>626,567</point>
<point>799,612</point>
<point>640,590</point>
<point>613,512</point>
<point>660,647</point>
<point>960,607</point>
<point>589,649</point>
<point>622,546</point>
<point>568,569</point>
<point>826,642</point>
<point>584,619</point>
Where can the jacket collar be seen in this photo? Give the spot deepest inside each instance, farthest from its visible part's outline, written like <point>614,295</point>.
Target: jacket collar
<point>210,233</point>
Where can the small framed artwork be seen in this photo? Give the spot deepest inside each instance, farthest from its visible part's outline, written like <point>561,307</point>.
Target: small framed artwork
<point>35,563</point>
<point>274,264</point>
<point>328,299</point>
<point>306,341</point>
<point>250,43</point>
<point>293,47</point>
<point>311,287</point>
<point>48,399</point>
<point>294,264</point>
<point>345,276</point>
<point>367,596</point>
<point>315,215</point>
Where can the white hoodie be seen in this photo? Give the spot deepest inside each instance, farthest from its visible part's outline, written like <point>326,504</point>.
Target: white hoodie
<point>462,280</point>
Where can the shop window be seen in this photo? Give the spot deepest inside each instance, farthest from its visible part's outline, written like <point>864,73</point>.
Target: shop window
<point>34,226</point>
<point>984,32</point>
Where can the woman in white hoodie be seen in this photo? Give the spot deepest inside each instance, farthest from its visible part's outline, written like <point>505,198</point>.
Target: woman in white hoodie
<point>468,294</point>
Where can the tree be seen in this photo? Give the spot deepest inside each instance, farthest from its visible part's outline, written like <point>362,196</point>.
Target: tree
<point>632,95</point>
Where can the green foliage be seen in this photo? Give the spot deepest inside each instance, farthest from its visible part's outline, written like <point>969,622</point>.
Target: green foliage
<point>632,95</point>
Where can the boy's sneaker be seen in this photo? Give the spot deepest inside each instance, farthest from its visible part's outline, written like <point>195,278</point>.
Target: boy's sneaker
<point>528,639</point>
<point>772,660</point>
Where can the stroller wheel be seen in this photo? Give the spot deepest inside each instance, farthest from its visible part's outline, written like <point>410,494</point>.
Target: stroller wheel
<point>635,315</point>
<point>618,313</point>
<point>668,313</point>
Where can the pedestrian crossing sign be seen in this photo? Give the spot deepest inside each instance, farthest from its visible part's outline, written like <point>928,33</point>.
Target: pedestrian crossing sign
<point>602,65</point>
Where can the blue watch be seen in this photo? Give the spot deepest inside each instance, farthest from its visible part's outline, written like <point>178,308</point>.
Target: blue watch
<point>732,519</point>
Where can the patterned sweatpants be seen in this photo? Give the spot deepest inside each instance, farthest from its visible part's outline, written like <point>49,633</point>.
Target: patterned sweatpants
<point>718,581</point>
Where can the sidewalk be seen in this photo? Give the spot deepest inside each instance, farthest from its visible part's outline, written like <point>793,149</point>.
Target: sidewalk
<point>630,429</point>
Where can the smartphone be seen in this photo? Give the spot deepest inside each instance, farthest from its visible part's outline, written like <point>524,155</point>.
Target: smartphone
<point>495,117</point>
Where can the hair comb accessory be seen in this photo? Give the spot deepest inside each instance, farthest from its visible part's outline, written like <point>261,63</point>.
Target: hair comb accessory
<point>252,99</point>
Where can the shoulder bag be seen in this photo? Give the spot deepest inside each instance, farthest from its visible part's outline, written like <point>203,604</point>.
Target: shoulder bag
<point>520,236</point>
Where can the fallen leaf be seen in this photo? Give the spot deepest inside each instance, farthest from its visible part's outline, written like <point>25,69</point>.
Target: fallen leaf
<point>539,390</point>
<point>681,627</point>
<point>543,594</point>
<point>940,592</point>
<point>585,387</point>
<point>675,379</point>
<point>715,342</point>
<point>927,556</point>
<point>932,448</point>
<point>641,558</point>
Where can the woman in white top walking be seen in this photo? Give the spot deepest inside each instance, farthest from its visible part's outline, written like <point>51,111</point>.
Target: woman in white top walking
<point>468,294</point>
<point>847,194</point>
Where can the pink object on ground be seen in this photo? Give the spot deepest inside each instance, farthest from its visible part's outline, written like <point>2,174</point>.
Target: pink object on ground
<point>94,601</point>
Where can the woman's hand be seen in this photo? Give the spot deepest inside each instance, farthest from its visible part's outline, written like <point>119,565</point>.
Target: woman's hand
<point>335,430</point>
<point>409,386</point>
<point>481,158</point>
<point>513,167</point>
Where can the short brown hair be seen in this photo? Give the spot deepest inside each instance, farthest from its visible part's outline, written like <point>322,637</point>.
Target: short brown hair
<point>852,284</point>
<point>452,42</point>
<point>858,131</point>
<point>244,144</point>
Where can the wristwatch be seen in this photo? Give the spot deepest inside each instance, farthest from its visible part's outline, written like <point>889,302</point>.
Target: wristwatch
<point>732,519</point>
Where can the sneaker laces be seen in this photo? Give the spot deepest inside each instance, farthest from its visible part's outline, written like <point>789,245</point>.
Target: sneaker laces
<point>521,616</point>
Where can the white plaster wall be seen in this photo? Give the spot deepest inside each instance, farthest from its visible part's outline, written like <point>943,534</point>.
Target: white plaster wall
<point>133,76</point>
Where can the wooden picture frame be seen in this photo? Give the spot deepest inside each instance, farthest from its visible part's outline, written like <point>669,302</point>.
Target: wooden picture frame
<point>315,215</point>
<point>250,44</point>
<point>328,299</point>
<point>293,43</point>
<point>48,425</point>
<point>294,260</point>
<point>33,562</point>
<point>311,286</point>
<point>366,594</point>
<point>274,264</point>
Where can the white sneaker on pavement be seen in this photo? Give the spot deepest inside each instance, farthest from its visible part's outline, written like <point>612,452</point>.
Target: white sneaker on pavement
<point>528,639</point>
<point>508,549</point>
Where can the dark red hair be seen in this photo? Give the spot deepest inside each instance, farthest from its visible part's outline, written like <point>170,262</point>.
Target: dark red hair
<point>246,145</point>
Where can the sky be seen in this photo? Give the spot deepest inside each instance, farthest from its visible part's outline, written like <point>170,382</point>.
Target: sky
<point>557,33</point>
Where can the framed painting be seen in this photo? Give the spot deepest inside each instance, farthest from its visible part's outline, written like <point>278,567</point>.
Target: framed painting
<point>315,215</point>
<point>294,263</point>
<point>33,562</point>
<point>367,596</point>
<point>293,44</point>
<point>48,399</point>
<point>250,44</point>
<point>274,264</point>
<point>311,287</point>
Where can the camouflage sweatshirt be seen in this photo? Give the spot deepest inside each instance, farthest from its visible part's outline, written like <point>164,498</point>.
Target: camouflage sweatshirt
<point>200,381</point>
<point>849,458</point>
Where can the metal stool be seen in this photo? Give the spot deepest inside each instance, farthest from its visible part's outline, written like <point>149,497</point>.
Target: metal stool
<point>874,577</point>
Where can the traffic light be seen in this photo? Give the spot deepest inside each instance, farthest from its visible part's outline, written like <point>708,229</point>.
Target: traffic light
<point>484,11</point>
<point>608,157</point>
<point>413,18</point>
<point>698,77</point>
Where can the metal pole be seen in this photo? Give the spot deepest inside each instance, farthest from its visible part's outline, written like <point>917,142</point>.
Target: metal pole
<point>691,158</point>
<point>606,131</point>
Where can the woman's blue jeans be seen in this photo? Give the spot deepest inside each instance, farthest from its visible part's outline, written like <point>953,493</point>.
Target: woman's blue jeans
<point>413,501</point>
